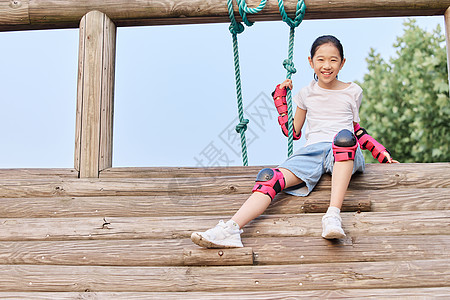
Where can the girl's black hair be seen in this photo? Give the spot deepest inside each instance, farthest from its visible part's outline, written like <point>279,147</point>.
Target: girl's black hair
<point>325,39</point>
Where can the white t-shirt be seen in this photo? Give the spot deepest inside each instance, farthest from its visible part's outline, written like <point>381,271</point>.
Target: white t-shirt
<point>328,111</point>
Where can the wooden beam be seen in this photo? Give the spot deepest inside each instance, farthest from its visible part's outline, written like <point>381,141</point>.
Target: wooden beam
<point>293,225</point>
<point>95,94</point>
<point>382,293</point>
<point>403,293</point>
<point>324,276</point>
<point>258,251</point>
<point>447,38</point>
<point>44,14</point>
<point>390,176</point>
<point>404,199</point>
<point>141,206</point>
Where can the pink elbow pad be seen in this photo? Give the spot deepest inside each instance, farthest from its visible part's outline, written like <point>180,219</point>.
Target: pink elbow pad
<point>368,142</point>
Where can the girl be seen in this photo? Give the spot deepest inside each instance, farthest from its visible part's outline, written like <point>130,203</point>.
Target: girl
<point>332,109</point>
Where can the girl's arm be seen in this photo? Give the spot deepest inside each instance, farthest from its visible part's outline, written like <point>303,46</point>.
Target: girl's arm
<point>379,152</point>
<point>299,120</point>
<point>279,97</point>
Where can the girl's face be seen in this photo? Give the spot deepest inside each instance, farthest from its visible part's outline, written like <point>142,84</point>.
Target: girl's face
<point>327,63</point>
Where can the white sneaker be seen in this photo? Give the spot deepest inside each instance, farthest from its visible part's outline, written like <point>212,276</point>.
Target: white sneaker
<point>223,235</point>
<point>332,227</point>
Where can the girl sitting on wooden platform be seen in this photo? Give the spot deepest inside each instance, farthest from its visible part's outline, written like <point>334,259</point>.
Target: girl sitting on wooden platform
<point>332,139</point>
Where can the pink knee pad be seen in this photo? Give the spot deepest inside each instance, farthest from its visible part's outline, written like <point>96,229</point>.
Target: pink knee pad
<point>344,145</point>
<point>269,182</point>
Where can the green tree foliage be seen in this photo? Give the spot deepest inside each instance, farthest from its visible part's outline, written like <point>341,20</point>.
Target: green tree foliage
<point>406,100</point>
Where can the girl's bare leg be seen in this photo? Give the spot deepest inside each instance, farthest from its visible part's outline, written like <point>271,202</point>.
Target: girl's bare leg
<point>331,221</point>
<point>257,203</point>
<point>342,173</point>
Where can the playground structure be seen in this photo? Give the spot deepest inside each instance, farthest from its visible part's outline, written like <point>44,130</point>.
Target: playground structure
<point>96,231</point>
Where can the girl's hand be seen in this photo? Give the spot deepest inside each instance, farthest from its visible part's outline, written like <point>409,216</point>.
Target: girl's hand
<point>286,84</point>
<point>389,158</point>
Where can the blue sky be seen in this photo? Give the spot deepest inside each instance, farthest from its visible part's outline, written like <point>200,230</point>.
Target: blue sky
<point>175,101</point>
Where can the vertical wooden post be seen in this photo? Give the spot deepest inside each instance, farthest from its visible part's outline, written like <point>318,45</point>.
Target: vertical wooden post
<point>447,37</point>
<point>95,94</point>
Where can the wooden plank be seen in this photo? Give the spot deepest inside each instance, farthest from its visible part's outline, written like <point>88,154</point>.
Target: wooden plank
<point>67,13</point>
<point>367,224</point>
<point>306,250</point>
<point>124,187</point>
<point>95,94</point>
<point>401,170</point>
<point>261,251</point>
<point>90,93</point>
<point>121,253</point>
<point>147,206</point>
<point>327,276</point>
<point>180,172</point>
<point>37,173</point>
<point>403,293</point>
<point>188,205</point>
<point>136,252</point>
<point>354,224</point>
<point>383,177</point>
<point>408,199</point>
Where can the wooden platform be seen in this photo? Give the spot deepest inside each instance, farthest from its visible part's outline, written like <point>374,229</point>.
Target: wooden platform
<point>126,235</point>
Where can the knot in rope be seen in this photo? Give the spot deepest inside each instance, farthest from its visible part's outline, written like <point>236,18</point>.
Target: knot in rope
<point>288,64</point>
<point>299,13</point>
<point>242,126</point>
<point>236,28</point>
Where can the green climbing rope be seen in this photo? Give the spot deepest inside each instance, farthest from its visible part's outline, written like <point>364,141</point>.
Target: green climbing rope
<point>235,29</point>
<point>289,63</point>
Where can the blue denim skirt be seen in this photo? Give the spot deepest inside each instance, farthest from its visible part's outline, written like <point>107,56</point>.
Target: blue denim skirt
<point>311,162</point>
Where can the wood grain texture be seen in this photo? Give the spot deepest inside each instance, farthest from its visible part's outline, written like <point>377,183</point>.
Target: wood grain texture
<point>378,177</point>
<point>331,276</point>
<point>91,94</point>
<point>93,141</point>
<point>25,173</point>
<point>67,13</point>
<point>354,224</point>
<point>402,293</point>
<point>306,250</point>
<point>14,12</point>
<point>188,205</point>
<point>260,251</point>
<point>147,206</point>
<point>126,235</point>
<point>404,199</point>
<point>181,172</point>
